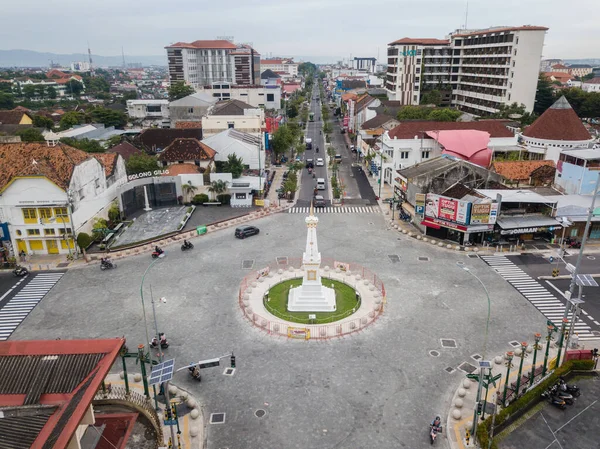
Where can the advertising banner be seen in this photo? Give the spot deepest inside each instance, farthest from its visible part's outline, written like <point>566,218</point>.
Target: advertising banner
<point>420,204</point>
<point>484,213</point>
<point>346,120</point>
<point>298,332</point>
<point>444,208</point>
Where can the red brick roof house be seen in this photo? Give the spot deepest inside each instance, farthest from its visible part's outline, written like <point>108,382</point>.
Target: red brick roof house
<point>188,151</point>
<point>521,172</point>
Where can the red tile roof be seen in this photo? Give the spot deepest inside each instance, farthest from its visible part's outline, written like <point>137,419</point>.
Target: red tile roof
<point>408,130</point>
<point>108,161</point>
<point>12,117</point>
<point>125,149</point>
<point>502,30</point>
<point>518,170</point>
<point>563,77</point>
<point>38,159</point>
<point>559,66</point>
<point>183,169</point>
<point>54,384</point>
<point>210,44</point>
<point>187,125</point>
<point>595,80</point>
<point>558,122</point>
<point>419,41</point>
<point>186,150</point>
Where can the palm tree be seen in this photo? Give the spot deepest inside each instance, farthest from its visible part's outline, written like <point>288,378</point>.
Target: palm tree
<point>218,187</point>
<point>189,189</point>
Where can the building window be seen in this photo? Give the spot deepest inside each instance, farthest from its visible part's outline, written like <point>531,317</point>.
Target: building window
<point>508,97</point>
<point>60,211</point>
<point>190,110</point>
<point>515,52</point>
<point>517,41</point>
<point>97,183</point>
<point>45,213</point>
<point>230,125</point>
<point>270,97</point>
<point>424,154</point>
<point>62,231</point>
<point>418,70</point>
<point>29,215</point>
<point>403,154</point>
<point>512,74</point>
<point>81,194</point>
<point>49,231</point>
<point>33,232</point>
<point>514,63</point>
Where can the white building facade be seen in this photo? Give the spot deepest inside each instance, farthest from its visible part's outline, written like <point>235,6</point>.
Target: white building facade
<point>280,65</point>
<point>267,97</point>
<point>483,69</point>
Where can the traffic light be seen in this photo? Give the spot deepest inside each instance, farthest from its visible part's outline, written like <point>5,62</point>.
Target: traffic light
<point>168,413</point>
<point>479,408</point>
<point>174,411</point>
<point>555,272</point>
<point>232,360</point>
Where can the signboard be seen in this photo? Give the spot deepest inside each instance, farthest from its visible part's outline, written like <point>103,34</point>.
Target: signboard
<point>351,113</point>
<point>298,332</point>
<point>147,174</point>
<point>403,183</point>
<point>484,213</point>
<point>527,230</point>
<point>259,202</point>
<point>346,120</point>
<point>420,204</point>
<point>341,265</point>
<point>263,273</point>
<point>449,209</point>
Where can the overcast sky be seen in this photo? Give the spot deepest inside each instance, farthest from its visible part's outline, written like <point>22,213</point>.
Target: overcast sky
<point>333,28</point>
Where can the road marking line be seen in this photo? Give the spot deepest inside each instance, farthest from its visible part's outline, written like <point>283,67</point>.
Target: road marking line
<point>575,416</point>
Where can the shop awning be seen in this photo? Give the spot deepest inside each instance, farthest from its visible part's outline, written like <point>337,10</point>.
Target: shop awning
<point>533,221</point>
<point>430,224</point>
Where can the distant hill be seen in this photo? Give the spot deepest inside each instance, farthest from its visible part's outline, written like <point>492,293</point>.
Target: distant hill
<point>594,62</point>
<point>28,58</point>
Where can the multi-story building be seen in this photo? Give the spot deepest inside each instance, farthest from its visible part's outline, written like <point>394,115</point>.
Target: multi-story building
<point>482,68</point>
<point>149,112</point>
<point>367,64</point>
<point>580,70</point>
<point>268,97</point>
<point>280,65</point>
<point>201,63</point>
<point>546,64</point>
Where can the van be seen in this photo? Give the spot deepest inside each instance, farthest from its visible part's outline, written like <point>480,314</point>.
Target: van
<point>320,183</point>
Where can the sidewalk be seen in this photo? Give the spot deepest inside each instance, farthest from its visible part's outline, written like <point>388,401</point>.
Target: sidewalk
<point>460,415</point>
<point>191,419</point>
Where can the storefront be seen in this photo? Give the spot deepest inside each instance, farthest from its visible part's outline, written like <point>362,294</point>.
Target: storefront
<point>454,232</point>
<point>526,228</point>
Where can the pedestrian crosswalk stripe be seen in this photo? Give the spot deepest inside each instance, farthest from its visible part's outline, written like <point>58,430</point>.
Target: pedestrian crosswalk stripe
<point>336,210</point>
<point>538,295</point>
<point>18,307</point>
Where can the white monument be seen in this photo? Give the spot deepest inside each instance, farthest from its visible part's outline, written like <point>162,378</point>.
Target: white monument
<point>312,295</point>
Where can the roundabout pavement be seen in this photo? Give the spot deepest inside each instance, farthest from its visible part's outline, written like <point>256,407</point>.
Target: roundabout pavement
<point>378,388</point>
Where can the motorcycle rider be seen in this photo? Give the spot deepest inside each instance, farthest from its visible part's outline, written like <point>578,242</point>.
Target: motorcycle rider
<point>186,244</point>
<point>194,371</point>
<point>436,422</point>
<point>158,250</point>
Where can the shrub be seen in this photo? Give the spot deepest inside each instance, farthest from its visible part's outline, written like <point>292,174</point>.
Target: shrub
<point>84,240</point>
<point>200,198</point>
<point>114,214</point>
<point>224,198</point>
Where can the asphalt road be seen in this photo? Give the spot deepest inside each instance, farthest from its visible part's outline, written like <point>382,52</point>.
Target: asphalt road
<point>314,132</point>
<point>376,389</point>
<point>7,281</point>
<point>553,428</point>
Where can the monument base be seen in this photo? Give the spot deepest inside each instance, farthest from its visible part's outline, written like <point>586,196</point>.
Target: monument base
<point>311,298</point>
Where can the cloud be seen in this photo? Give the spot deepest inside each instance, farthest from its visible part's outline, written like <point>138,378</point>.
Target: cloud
<point>335,28</point>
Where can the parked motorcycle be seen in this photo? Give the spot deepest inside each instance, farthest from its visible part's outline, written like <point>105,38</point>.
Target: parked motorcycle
<point>572,389</point>
<point>20,271</point>
<point>554,400</point>
<point>164,344</point>
<point>567,397</point>
<point>187,245</point>
<point>107,264</point>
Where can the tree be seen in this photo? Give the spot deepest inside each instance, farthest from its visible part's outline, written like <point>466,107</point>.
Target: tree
<point>98,84</point>
<point>515,112</point>
<point>414,113</point>
<point>40,90</point>
<point>234,165</point>
<point>114,140</point>
<point>432,97</point>
<point>70,119</point>
<point>141,163</point>
<point>39,121</point>
<point>7,101</point>
<point>218,187</point>
<point>51,92</point>
<point>307,69</point>
<point>188,189</point>
<point>30,135</point>
<point>109,117</point>
<point>444,115</point>
<point>87,145</point>
<point>282,139</point>
<point>74,87</point>
<point>6,88</point>
<point>179,90</point>
<point>29,91</point>
<point>544,96</point>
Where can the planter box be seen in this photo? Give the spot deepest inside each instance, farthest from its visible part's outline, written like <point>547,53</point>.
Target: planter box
<point>212,203</point>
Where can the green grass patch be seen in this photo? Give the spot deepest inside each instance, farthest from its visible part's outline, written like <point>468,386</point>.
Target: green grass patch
<point>345,298</point>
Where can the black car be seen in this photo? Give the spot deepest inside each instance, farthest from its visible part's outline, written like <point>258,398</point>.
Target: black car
<point>319,201</point>
<point>246,231</point>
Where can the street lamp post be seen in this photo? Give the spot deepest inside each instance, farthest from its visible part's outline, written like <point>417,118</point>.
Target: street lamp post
<point>551,329</point>
<point>487,326</point>
<point>577,266</point>
<point>522,355</point>
<point>536,346</point>
<point>509,358</point>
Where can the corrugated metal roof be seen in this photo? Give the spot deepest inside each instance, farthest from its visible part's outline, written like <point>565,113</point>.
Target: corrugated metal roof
<point>20,427</point>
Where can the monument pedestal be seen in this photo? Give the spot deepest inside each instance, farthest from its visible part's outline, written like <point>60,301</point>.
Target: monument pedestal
<point>311,297</point>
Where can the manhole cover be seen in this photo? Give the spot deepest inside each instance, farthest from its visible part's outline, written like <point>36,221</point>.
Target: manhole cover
<point>217,418</point>
<point>282,261</point>
<point>449,370</point>
<point>424,259</point>
<point>472,256</point>
<point>229,371</point>
<point>448,343</point>
<point>394,258</point>
<point>66,264</point>
<point>589,257</point>
<point>476,357</point>
<point>467,367</point>
<point>514,344</point>
<point>260,413</point>
<point>247,264</point>
<point>434,353</point>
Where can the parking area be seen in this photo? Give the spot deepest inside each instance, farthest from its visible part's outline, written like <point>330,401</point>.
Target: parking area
<point>552,428</point>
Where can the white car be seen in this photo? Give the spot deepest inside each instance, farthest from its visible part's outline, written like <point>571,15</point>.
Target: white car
<point>320,162</point>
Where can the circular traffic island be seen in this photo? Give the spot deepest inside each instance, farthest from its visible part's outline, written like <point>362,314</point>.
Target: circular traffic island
<point>347,302</point>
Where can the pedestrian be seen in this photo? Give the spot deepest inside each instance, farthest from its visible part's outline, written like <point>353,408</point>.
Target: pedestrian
<point>391,205</point>
<point>22,256</point>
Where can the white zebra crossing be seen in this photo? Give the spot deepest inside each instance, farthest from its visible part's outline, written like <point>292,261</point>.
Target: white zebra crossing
<point>336,210</point>
<point>538,295</point>
<point>19,306</point>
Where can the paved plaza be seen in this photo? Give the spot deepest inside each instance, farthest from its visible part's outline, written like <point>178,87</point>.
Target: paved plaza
<point>152,224</point>
<point>379,388</point>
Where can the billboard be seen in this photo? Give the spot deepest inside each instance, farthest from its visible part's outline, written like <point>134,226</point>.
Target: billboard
<point>484,213</point>
<point>444,208</point>
<point>420,204</point>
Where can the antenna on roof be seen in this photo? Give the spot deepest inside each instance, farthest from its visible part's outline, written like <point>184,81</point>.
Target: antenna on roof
<point>90,57</point>
<point>467,15</point>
